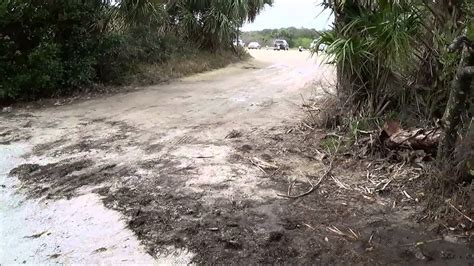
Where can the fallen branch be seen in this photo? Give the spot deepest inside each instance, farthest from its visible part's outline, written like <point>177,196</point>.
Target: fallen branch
<point>460,212</point>
<point>204,157</point>
<point>302,194</point>
<point>352,235</point>
<point>263,166</point>
<point>258,166</point>
<point>308,126</point>
<point>313,186</point>
<point>421,242</point>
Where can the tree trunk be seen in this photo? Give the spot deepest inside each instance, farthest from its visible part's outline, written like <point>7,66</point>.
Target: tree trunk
<point>462,87</point>
<point>446,17</point>
<point>344,77</point>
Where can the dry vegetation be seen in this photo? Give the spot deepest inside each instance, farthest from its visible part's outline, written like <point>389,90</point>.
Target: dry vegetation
<point>181,66</point>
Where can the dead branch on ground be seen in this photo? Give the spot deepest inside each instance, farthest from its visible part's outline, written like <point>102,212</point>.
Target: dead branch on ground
<point>460,212</point>
<point>312,186</point>
<point>263,166</point>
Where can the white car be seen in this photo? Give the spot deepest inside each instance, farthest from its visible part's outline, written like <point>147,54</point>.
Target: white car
<point>239,43</point>
<point>254,45</point>
<point>321,47</point>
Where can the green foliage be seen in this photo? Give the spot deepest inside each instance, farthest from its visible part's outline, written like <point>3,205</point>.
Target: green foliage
<point>39,72</point>
<point>122,54</point>
<point>391,55</point>
<point>303,42</point>
<point>46,45</point>
<point>331,144</point>
<point>373,46</point>
<point>214,24</point>
<point>142,12</point>
<point>55,47</point>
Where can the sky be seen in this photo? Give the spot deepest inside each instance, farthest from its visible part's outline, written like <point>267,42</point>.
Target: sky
<point>292,13</point>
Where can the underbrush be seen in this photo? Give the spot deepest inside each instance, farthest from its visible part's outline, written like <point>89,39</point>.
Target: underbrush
<point>448,201</point>
<point>180,65</point>
<point>449,206</point>
<point>119,60</point>
<point>61,49</point>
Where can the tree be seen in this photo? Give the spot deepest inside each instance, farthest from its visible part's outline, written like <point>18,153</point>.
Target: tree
<point>214,24</point>
<point>142,12</point>
<point>461,89</point>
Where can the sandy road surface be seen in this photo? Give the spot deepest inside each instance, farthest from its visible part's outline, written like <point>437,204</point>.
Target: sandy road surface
<point>184,124</point>
<point>189,172</point>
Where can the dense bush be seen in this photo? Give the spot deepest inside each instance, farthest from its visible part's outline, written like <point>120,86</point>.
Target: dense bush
<point>36,72</point>
<point>58,46</point>
<point>121,53</point>
<point>47,45</point>
<point>53,47</point>
<point>303,42</point>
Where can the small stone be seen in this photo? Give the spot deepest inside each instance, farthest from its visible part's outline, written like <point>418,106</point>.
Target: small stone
<point>102,249</point>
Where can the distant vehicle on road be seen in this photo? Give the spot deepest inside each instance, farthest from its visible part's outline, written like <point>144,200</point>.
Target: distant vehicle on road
<point>239,42</point>
<point>313,47</point>
<point>280,45</point>
<point>254,45</point>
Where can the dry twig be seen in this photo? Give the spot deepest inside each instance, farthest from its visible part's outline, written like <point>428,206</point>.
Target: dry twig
<point>310,114</point>
<point>313,186</point>
<point>352,235</point>
<point>460,212</point>
<point>258,166</point>
<point>262,165</point>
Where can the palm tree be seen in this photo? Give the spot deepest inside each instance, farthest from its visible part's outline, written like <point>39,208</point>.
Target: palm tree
<point>214,23</point>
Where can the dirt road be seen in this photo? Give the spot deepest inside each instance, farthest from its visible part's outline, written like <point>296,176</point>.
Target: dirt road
<point>189,172</point>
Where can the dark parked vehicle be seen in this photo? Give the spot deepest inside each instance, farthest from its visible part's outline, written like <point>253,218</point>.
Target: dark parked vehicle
<point>280,45</point>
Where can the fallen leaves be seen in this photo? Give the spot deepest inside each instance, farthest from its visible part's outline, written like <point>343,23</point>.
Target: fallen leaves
<point>394,137</point>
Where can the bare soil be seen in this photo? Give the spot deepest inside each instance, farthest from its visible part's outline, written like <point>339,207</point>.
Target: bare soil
<point>197,165</point>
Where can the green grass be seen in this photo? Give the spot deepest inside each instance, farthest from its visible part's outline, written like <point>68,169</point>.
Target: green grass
<point>331,144</point>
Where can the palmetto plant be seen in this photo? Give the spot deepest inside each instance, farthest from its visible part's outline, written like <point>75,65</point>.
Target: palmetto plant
<point>136,13</point>
<point>373,45</point>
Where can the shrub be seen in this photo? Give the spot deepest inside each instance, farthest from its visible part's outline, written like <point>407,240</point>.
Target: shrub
<point>47,47</point>
<point>37,73</point>
<point>303,42</point>
<point>55,47</point>
<point>122,55</point>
